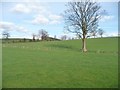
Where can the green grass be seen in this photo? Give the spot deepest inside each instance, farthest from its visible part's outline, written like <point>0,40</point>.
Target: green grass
<point>59,64</point>
<point>0,65</point>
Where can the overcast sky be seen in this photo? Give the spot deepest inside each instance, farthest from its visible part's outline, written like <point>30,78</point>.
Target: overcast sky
<point>22,19</point>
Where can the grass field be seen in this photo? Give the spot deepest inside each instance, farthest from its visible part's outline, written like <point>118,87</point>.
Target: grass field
<point>60,64</point>
<point>0,65</point>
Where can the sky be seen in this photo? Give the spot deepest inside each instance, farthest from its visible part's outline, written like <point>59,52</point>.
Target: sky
<point>22,19</point>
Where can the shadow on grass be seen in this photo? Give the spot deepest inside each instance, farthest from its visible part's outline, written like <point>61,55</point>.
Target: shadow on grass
<point>102,51</point>
<point>79,50</point>
<point>64,47</point>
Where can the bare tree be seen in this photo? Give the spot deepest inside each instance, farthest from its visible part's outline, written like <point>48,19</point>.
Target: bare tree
<point>55,36</point>
<point>43,34</point>
<point>33,35</point>
<point>39,34</point>
<point>69,38</point>
<point>81,17</point>
<point>64,37</point>
<point>94,33</point>
<point>101,32</point>
<point>6,34</point>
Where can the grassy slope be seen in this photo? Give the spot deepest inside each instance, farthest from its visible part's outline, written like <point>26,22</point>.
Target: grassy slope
<point>61,64</point>
<point>0,65</point>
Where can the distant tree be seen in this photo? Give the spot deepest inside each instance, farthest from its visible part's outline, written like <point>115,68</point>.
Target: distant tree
<point>81,17</point>
<point>33,35</point>
<point>43,34</point>
<point>94,33</point>
<point>73,38</point>
<point>6,34</point>
<point>69,38</point>
<point>55,36</point>
<point>101,32</point>
<point>38,37</point>
<point>24,39</point>
<point>64,37</point>
<point>39,34</point>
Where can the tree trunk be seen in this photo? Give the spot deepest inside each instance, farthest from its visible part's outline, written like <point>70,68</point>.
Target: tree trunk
<point>84,44</point>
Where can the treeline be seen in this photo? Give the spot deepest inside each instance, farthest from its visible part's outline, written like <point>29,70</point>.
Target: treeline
<point>41,36</point>
<point>18,40</point>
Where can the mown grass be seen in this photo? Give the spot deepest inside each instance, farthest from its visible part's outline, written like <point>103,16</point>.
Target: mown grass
<point>60,64</point>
